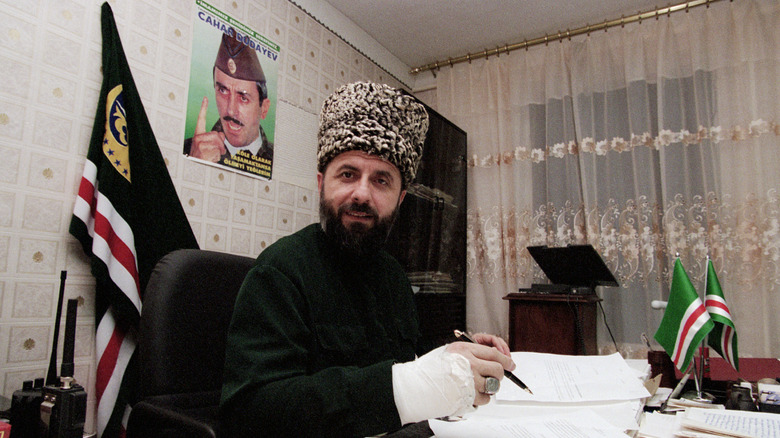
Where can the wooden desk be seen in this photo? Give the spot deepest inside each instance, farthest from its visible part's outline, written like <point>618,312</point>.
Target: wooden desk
<point>552,323</point>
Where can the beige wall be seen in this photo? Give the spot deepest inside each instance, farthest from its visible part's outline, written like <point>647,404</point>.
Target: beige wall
<point>49,82</point>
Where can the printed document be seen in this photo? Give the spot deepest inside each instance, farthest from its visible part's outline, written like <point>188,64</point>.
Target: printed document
<point>563,378</point>
<point>731,423</point>
<point>578,424</point>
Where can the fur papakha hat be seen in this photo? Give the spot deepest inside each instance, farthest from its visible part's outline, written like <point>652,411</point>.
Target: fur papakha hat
<point>376,119</point>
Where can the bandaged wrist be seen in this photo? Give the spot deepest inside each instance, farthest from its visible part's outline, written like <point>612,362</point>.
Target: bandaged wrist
<point>435,385</point>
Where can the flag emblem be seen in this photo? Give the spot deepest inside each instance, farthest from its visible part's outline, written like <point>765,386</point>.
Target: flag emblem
<point>115,139</point>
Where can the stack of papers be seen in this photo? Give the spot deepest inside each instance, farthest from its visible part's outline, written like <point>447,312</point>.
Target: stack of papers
<point>562,378</point>
<point>433,281</point>
<point>577,423</point>
<point>711,423</point>
<point>573,396</point>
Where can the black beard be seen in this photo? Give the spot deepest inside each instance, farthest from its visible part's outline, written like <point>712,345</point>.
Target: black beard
<point>358,239</point>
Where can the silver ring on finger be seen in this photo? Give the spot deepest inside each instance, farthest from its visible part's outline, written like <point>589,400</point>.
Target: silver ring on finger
<point>491,385</point>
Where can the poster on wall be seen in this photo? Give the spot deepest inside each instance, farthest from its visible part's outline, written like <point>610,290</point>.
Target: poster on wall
<point>231,102</point>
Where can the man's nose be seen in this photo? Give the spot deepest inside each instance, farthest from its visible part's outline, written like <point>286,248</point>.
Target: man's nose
<point>232,106</point>
<point>361,192</point>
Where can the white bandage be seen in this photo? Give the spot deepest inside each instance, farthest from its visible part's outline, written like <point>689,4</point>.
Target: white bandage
<point>435,385</point>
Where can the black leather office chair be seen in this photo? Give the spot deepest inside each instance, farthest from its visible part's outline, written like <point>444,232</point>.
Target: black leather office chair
<point>187,308</point>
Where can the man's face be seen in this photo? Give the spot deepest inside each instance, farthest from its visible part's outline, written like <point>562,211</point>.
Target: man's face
<point>359,199</point>
<point>238,104</point>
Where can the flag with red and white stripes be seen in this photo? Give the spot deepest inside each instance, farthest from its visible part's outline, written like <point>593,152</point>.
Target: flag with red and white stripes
<point>127,216</point>
<point>685,322</point>
<point>723,337</point>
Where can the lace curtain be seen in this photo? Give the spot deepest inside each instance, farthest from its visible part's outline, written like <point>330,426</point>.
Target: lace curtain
<point>655,139</point>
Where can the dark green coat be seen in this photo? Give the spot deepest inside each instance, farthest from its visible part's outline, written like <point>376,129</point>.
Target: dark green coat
<point>312,341</point>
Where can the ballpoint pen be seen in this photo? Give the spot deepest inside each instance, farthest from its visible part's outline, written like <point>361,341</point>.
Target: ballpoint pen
<point>508,374</point>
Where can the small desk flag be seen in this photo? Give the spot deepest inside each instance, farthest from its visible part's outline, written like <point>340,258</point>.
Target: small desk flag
<point>723,337</point>
<point>685,322</point>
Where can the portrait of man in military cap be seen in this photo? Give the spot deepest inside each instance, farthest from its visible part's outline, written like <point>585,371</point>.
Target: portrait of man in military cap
<point>236,139</point>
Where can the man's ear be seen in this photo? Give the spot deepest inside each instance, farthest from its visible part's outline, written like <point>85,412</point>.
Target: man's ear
<point>319,181</point>
<point>401,198</point>
<point>264,108</point>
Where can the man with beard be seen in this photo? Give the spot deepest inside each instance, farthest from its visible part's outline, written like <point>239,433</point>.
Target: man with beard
<point>324,333</point>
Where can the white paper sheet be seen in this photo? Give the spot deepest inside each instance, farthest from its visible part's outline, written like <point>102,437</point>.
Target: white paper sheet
<point>623,414</point>
<point>578,424</point>
<point>658,425</point>
<point>753,424</point>
<point>562,378</point>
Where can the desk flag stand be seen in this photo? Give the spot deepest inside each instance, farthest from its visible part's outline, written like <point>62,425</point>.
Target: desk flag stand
<point>698,378</point>
<point>687,323</point>
<point>703,363</point>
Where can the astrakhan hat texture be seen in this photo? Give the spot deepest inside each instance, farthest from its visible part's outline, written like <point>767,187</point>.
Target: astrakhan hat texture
<point>376,119</point>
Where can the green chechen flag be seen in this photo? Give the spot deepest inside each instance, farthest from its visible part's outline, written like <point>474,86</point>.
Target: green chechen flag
<point>723,337</point>
<point>127,215</point>
<point>685,322</point>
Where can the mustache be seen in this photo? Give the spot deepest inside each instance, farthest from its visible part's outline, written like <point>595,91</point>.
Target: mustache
<point>358,208</point>
<point>231,119</point>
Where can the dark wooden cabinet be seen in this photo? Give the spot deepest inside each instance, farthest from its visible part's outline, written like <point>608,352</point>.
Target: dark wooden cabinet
<point>429,236</point>
<point>552,323</point>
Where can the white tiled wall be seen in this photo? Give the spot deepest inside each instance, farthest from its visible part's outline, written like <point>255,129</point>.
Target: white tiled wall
<point>49,82</point>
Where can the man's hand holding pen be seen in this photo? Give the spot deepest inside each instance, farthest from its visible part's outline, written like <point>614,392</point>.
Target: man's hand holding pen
<point>489,356</point>
<point>451,380</point>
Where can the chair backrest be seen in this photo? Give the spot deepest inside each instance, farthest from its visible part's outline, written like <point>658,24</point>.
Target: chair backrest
<point>187,308</point>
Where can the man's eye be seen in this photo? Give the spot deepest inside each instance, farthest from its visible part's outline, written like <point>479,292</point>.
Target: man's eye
<point>346,175</point>
<point>244,98</point>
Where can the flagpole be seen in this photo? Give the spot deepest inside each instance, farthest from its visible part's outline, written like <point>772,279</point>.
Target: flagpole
<point>700,380</point>
<point>698,370</point>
